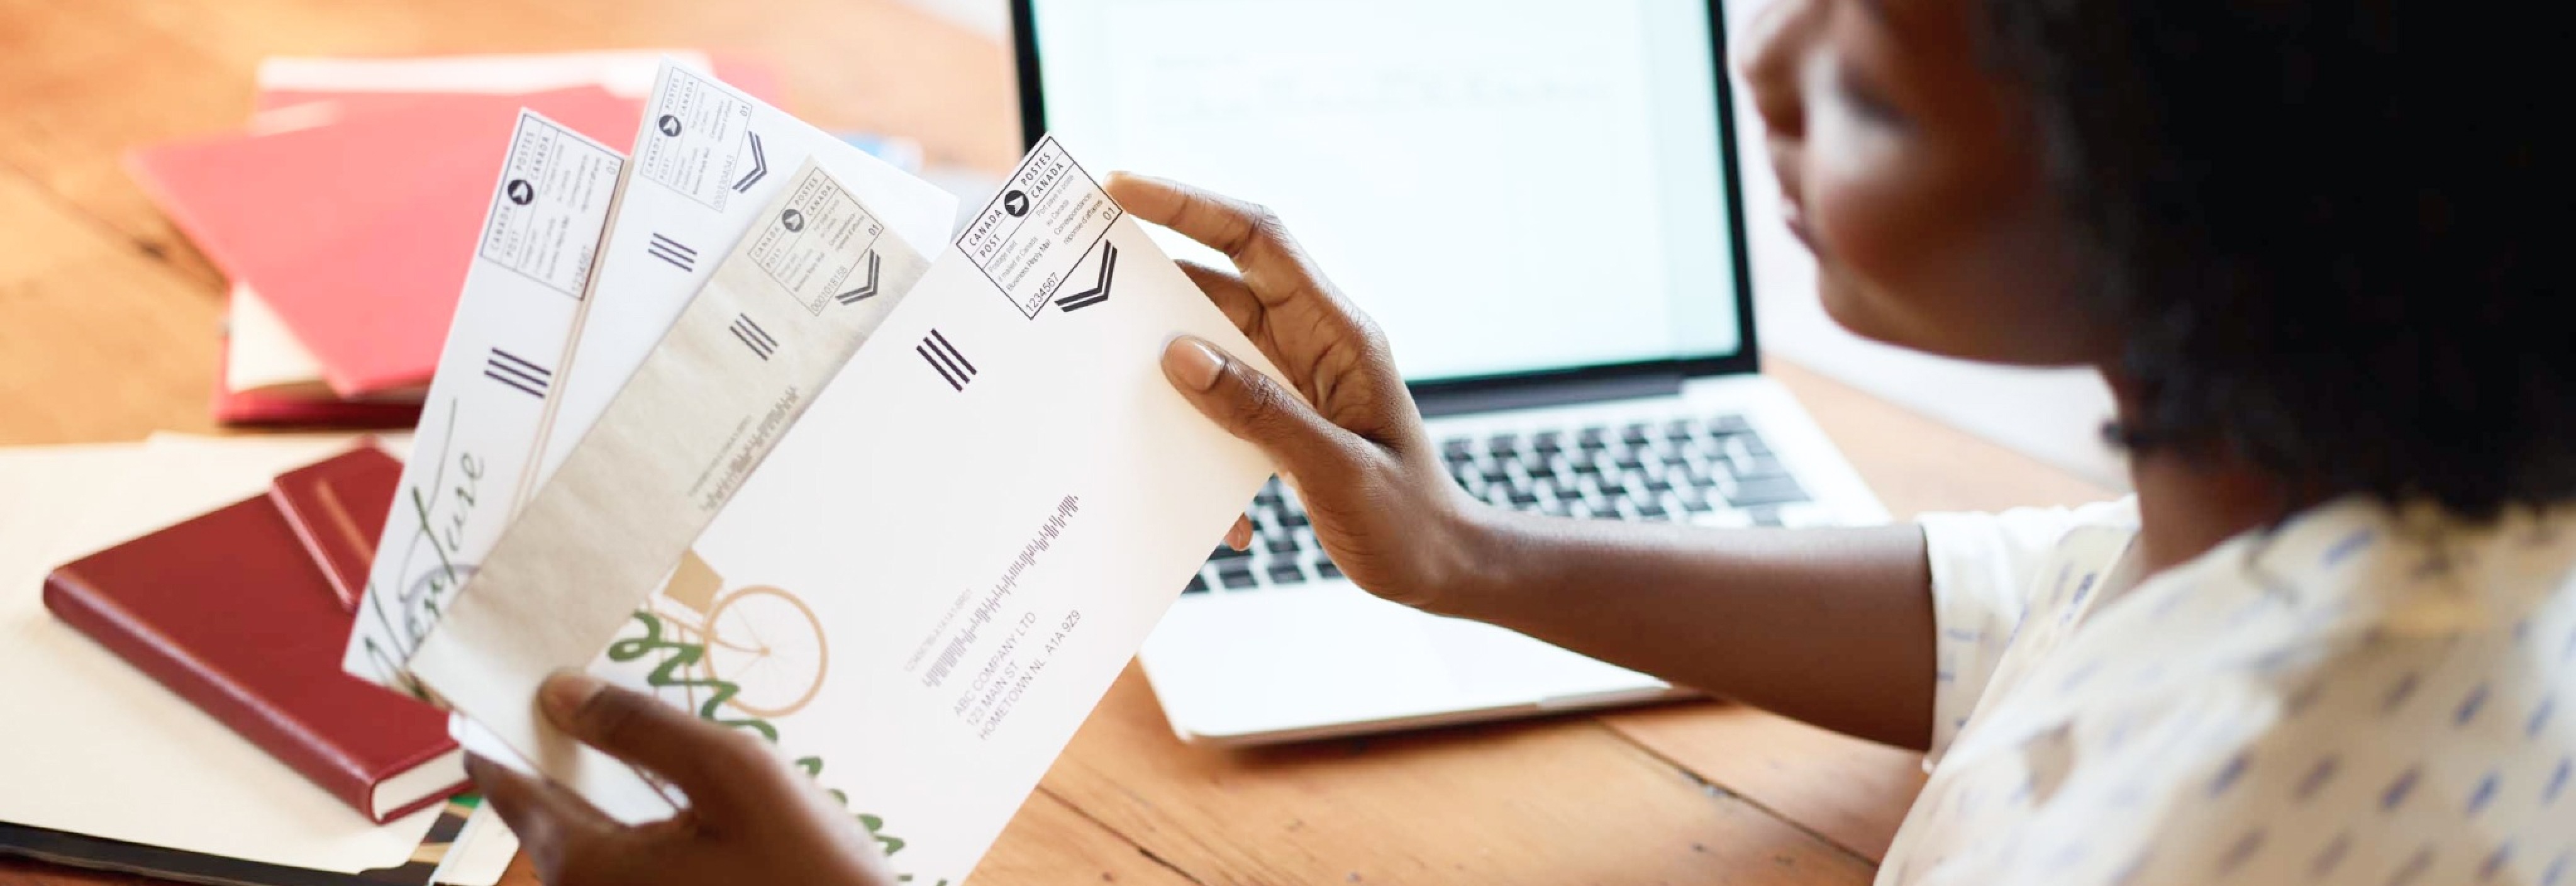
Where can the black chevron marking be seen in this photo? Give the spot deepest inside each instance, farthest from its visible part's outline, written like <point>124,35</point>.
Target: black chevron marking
<point>759,164</point>
<point>867,289</point>
<point>1097,293</point>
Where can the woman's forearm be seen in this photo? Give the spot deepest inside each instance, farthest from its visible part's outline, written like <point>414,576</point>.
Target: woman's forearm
<point>1830,626</point>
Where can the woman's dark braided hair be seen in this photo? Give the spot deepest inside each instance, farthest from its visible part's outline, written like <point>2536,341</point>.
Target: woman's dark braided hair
<point>2324,230</point>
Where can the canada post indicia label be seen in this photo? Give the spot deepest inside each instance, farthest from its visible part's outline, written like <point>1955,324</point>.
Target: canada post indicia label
<point>1047,217</point>
<point>817,246</point>
<point>554,196</point>
<point>696,139</point>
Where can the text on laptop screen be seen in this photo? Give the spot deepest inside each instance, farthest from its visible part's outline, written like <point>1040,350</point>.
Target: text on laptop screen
<point>1508,186</point>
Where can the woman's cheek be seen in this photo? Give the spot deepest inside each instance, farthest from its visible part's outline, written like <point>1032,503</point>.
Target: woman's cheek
<point>1865,234</point>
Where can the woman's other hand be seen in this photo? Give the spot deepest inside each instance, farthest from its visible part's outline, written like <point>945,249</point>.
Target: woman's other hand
<point>1348,439</point>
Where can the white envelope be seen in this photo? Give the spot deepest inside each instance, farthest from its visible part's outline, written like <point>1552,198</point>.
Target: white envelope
<point>931,581</point>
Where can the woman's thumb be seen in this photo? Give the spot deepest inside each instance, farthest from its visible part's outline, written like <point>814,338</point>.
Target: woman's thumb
<point>1252,406</point>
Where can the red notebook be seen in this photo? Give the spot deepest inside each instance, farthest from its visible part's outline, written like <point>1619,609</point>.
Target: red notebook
<point>358,233</point>
<point>337,509</point>
<point>230,612</point>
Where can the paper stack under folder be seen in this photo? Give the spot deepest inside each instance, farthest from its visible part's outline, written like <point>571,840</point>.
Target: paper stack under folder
<point>344,213</point>
<point>182,712</point>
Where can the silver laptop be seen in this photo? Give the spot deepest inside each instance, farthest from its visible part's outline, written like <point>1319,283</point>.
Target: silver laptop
<point>1537,201</point>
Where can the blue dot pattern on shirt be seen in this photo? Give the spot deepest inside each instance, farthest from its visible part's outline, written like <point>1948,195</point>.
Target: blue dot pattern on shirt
<point>2357,697</point>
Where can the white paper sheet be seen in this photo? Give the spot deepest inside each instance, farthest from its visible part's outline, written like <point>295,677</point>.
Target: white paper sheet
<point>260,352</point>
<point>482,852</point>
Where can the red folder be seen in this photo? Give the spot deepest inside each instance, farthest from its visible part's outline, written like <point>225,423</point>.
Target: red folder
<point>230,612</point>
<point>250,408</point>
<point>358,233</point>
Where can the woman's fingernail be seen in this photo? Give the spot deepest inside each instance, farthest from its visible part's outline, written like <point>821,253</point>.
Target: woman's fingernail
<point>567,691</point>
<point>1194,362</point>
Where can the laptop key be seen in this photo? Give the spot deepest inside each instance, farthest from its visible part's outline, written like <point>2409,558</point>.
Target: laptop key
<point>1226,553</point>
<point>1286,572</point>
<point>1326,570</point>
<point>1758,466</point>
<point>1235,574</point>
<point>1285,544</point>
<point>1729,425</point>
<point>1766,491</point>
<point>1198,585</point>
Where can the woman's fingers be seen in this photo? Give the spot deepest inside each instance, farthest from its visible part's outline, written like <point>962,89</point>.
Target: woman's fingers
<point>708,762</point>
<point>1221,223</point>
<point>1228,293</point>
<point>559,830</point>
<point>1248,234</point>
<point>1255,408</point>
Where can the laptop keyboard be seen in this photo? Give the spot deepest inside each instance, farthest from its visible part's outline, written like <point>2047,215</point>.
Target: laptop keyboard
<point>1714,470</point>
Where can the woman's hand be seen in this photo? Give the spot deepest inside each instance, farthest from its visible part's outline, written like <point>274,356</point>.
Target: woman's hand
<point>1358,456</point>
<point>752,817</point>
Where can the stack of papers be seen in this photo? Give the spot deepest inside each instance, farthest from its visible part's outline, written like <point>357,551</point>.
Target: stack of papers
<point>790,456</point>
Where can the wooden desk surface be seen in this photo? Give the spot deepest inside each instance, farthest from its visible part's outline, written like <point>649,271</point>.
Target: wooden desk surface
<point>108,331</point>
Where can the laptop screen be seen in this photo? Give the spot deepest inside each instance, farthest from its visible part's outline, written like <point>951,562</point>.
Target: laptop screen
<point>1508,186</point>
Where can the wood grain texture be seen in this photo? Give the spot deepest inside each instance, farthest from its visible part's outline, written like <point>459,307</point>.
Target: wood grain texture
<point>1541,802</point>
<point>108,331</point>
<point>1048,842</point>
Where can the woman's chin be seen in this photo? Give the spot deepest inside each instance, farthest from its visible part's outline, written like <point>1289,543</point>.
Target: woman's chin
<point>1857,312</point>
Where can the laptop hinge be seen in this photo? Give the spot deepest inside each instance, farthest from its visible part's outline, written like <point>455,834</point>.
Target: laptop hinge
<point>1494,395</point>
